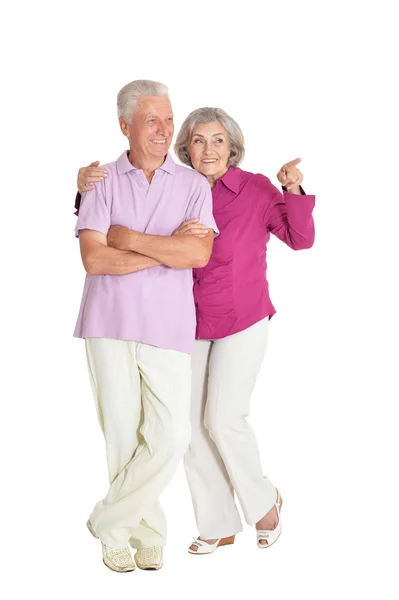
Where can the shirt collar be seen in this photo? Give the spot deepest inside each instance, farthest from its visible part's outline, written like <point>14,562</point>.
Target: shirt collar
<point>231,179</point>
<point>123,165</point>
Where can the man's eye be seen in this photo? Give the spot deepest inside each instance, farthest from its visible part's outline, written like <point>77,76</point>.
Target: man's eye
<point>170,119</point>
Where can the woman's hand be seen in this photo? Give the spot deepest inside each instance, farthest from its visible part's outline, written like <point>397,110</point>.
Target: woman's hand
<point>191,227</point>
<point>89,175</point>
<point>290,176</point>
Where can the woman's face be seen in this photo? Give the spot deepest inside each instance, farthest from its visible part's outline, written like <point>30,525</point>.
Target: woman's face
<point>209,149</point>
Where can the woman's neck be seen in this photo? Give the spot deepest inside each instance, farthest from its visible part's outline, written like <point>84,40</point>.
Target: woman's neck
<point>212,179</point>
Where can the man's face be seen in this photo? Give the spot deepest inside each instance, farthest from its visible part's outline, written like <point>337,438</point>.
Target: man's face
<point>151,130</point>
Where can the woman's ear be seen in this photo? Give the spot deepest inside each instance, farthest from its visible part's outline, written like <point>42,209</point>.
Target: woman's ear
<point>232,155</point>
<point>187,159</point>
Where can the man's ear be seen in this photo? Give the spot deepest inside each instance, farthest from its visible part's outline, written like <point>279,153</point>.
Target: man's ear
<point>124,127</point>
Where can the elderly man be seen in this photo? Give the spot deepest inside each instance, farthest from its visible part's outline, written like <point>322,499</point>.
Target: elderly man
<point>137,317</point>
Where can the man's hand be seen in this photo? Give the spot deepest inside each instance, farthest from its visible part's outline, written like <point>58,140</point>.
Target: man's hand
<point>119,237</point>
<point>291,177</point>
<point>89,175</point>
<point>191,227</point>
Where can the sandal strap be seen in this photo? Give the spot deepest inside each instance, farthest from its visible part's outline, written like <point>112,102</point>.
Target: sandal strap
<point>202,543</point>
<point>263,534</point>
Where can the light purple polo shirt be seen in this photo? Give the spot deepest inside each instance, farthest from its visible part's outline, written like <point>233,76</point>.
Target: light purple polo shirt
<point>154,306</point>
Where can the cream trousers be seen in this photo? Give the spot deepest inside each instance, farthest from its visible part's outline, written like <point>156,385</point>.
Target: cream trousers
<point>223,455</point>
<point>142,395</point>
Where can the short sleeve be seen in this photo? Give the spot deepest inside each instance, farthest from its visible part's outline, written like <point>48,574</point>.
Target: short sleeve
<point>94,212</point>
<point>202,207</point>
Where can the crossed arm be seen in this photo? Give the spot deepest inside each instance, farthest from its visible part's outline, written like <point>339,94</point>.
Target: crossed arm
<point>100,259</point>
<point>125,251</point>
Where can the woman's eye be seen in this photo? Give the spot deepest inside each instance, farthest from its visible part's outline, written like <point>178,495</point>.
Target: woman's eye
<point>197,141</point>
<point>219,141</point>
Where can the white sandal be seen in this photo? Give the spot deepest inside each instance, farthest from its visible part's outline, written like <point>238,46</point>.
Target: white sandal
<point>205,548</point>
<point>271,535</point>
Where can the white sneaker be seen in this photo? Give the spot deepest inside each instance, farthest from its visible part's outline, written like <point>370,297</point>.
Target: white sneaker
<point>118,559</point>
<point>149,558</point>
<point>270,536</point>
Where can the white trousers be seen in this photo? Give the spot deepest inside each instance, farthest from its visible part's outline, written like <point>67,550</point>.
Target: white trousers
<point>223,456</point>
<point>142,395</point>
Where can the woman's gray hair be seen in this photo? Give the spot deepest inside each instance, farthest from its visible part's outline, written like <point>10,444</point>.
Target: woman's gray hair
<point>208,115</point>
<point>130,93</point>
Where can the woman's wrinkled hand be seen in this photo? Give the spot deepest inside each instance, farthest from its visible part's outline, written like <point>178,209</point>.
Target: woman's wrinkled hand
<point>89,175</point>
<point>291,177</point>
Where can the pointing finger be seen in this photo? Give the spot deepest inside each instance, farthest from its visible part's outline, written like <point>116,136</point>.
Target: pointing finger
<point>294,162</point>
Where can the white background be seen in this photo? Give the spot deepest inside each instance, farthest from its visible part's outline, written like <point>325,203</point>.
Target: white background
<point>310,79</point>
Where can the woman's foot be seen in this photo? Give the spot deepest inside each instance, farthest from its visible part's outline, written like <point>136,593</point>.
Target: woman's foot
<point>269,522</point>
<point>194,547</point>
<point>268,529</point>
<point>201,546</point>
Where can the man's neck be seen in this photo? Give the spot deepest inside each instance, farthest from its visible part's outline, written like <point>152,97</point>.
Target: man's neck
<point>147,165</point>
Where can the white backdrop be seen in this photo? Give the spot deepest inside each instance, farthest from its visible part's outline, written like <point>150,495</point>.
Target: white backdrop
<point>310,79</point>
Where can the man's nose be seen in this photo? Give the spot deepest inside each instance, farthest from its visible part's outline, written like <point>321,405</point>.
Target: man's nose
<point>161,129</point>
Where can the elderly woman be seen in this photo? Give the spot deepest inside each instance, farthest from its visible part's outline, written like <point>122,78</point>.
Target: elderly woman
<point>233,309</point>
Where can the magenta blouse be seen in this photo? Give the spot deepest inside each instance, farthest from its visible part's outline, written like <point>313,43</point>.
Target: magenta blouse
<point>231,293</point>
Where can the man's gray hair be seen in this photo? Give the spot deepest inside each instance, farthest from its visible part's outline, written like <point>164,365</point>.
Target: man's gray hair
<point>130,93</point>
<point>208,115</point>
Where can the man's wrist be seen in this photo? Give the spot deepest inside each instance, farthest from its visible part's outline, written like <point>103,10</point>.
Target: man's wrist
<point>132,239</point>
